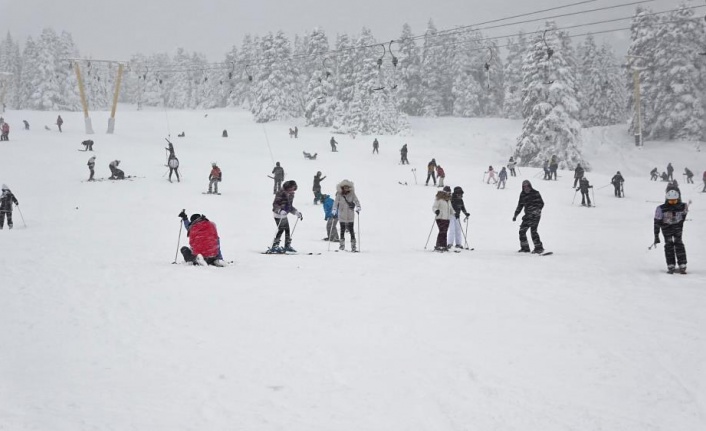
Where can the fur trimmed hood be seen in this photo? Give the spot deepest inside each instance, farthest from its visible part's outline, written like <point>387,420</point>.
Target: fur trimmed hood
<point>345,183</point>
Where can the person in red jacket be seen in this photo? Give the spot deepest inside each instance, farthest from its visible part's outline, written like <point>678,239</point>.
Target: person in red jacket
<point>203,239</point>
<point>5,132</point>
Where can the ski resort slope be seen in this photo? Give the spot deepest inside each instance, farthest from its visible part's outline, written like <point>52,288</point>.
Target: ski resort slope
<point>102,332</point>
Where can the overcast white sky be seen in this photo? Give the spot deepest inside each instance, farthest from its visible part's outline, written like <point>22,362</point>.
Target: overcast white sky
<point>116,29</point>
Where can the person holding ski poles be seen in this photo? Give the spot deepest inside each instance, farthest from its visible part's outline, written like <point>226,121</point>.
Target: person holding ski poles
<point>444,213</point>
<point>431,171</point>
<point>511,166</point>
<point>584,186</point>
<point>214,178</point>
<point>282,206</point>
<point>331,221</point>
<point>204,242</point>
<point>345,207</point>
<point>617,182</point>
<point>455,236</point>
<point>532,202</point>
<point>669,218</point>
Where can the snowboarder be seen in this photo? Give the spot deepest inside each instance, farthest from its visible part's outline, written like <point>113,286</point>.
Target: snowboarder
<point>331,221</point>
<point>173,164</point>
<point>115,172</point>
<point>87,145</point>
<point>431,171</point>
<point>59,122</point>
<point>553,166</point>
<point>502,176</point>
<point>376,146</point>
<point>689,176</point>
<point>181,135</point>
<point>283,205</point>
<point>511,166</point>
<point>214,178</point>
<point>309,156</point>
<point>26,124</point>
<point>6,200</point>
<point>669,217</point>
<point>278,177</point>
<point>617,182</point>
<point>654,174</point>
<point>203,239</point>
<point>345,208</point>
<point>333,144</point>
<point>440,174</point>
<point>444,213</point>
<point>578,174</point>
<point>317,187</point>
<point>491,175</point>
<point>670,171</point>
<point>91,167</point>
<point>532,202</point>
<point>5,132</point>
<point>403,154</point>
<point>584,186</point>
<point>455,235</point>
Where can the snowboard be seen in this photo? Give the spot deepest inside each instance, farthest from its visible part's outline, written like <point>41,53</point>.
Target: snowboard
<point>207,193</point>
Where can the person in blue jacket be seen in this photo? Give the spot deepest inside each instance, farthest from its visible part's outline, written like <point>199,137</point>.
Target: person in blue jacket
<point>331,221</point>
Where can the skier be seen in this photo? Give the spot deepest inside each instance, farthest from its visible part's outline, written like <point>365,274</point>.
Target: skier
<point>403,154</point>
<point>545,167</point>
<point>283,205</point>
<point>455,236</point>
<point>502,176</point>
<point>491,175</point>
<point>532,202</point>
<point>6,200</point>
<point>704,180</point>
<point>617,182</point>
<point>59,122</point>
<point>214,178</point>
<point>91,167</point>
<point>578,174</point>
<point>553,166</point>
<point>511,166</point>
<point>440,174</point>
<point>115,172</point>
<point>689,176</point>
<point>225,133</point>
<point>296,132</point>
<point>444,213</point>
<point>333,145</point>
<point>654,174</point>
<point>672,185</point>
<point>173,164</point>
<point>203,239</point>
<point>331,229</point>
<point>669,217</point>
<point>170,151</point>
<point>584,186</point>
<point>87,145</point>
<point>278,173</point>
<point>5,132</point>
<point>376,146</point>
<point>670,171</point>
<point>345,208</point>
<point>26,124</point>
<point>431,171</point>
<point>317,188</point>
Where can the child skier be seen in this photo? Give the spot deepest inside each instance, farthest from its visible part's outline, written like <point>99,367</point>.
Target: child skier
<point>440,174</point>
<point>491,175</point>
<point>502,177</point>
<point>669,217</point>
<point>331,229</point>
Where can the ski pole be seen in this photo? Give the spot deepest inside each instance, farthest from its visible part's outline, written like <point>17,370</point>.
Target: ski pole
<point>358,231</point>
<point>414,172</point>
<point>572,200</point>
<point>594,197</point>
<point>291,234</point>
<point>483,180</point>
<point>430,231</point>
<point>465,235</point>
<point>518,170</point>
<point>601,188</point>
<point>21,216</point>
<point>181,224</point>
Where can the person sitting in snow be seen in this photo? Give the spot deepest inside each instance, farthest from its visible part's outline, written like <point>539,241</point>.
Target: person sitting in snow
<point>203,239</point>
<point>115,173</point>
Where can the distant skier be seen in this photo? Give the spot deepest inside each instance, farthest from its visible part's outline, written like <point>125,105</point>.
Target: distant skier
<point>664,176</point>
<point>173,164</point>
<point>689,176</point>
<point>672,185</point>
<point>511,166</point>
<point>444,213</point>
<point>440,174</point>
<point>5,128</point>
<point>26,124</point>
<point>670,171</point>
<point>87,145</point>
<point>278,177</point>
<point>403,155</point>
<point>203,239</point>
<point>584,186</point>
<point>170,150</point>
<point>115,172</point>
<point>376,146</point>
<point>545,167</point>
<point>224,134</point>
<point>669,217</point>
<point>59,122</point>
<point>283,205</point>
<point>617,182</point>
<point>345,207</point>
<point>431,171</point>
<point>317,187</point>
<point>654,174</point>
<point>578,174</point>
<point>296,132</point>
<point>7,198</point>
<point>331,221</point>
<point>532,202</point>
<point>333,144</point>
<point>553,166</point>
<point>215,177</point>
<point>502,178</point>
<point>491,175</point>
<point>704,180</point>
<point>91,168</point>
<point>455,235</point>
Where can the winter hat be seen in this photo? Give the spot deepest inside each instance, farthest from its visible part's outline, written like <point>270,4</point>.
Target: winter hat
<point>318,173</point>
<point>213,164</point>
<point>618,173</point>
<point>526,183</point>
<point>672,195</point>
<point>447,189</point>
<point>290,185</point>
<point>194,217</point>
<point>277,164</point>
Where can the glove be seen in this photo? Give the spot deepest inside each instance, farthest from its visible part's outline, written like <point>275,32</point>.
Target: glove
<point>466,218</point>
<point>357,209</point>
<point>437,212</point>
<point>514,218</point>
<point>283,213</point>
<point>300,215</point>
<point>657,239</point>
<point>182,214</point>
<point>334,213</point>
<point>457,215</point>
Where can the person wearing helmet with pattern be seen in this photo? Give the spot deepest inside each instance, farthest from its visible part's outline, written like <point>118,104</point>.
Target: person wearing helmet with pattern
<point>669,218</point>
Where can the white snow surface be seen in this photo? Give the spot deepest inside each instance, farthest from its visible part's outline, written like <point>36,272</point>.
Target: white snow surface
<point>100,331</point>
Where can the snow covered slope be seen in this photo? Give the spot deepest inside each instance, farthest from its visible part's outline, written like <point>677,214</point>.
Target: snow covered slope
<point>101,332</point>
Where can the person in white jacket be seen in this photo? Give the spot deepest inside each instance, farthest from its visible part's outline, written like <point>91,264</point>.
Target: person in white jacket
<point>345,208</point>
<point>444,211</point>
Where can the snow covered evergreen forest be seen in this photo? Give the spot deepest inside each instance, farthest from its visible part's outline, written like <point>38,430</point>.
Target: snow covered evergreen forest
<point>356,84</point>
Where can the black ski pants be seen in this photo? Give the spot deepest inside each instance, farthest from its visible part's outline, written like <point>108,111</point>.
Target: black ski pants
<point>512,172</point>
<point>432,175</point>
<point>347,226</point>
<point>585,197</point>
<point>282,226</point>
<point>531,223</point>
<point>674,250</point>
<point>617,190</point>
<point>443,226</point>
<point>3,214</point>
<point>175,171</point>
<point>93,172</point>
<point>278,186</point>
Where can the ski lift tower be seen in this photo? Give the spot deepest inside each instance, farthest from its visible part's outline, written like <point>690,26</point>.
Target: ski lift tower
<point>636,95</point>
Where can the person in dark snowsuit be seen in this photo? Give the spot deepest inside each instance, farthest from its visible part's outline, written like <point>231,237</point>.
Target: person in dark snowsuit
<point>115,172</point>
<point>59,122</point>
<point>689,176</point>
<point>403,155</point>
<point>431,171</point>
<point>669,218</point>
<point>532,202</point>
<point>317,188</point>
<point>617,182</point>
<point>7,198</point>
<point>584,186</point>
<point>282,206</point>
<point>455,235</point>
<point>173,164</point>
<point>670,171</point>
<point>5,132</point>
<point>203,239</point>
<point>333,144</point>
<point>578,174</point>
<point>654,174</point>
<point>88,145</point>
<point>91,167</point>
<point>502,177</point>
<point>278,176</point>
<point>376,146</point>
<point>26,124</point>
<point>553,166</point>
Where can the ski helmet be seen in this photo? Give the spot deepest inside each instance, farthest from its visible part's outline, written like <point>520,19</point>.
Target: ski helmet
<point>194,217</point>
<point>447,189</point>
<point>672,195</point>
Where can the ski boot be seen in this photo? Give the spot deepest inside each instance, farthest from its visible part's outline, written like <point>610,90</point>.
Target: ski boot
<point>538,250</point>
<point>288,248</point>
<point>682,269</point>
<point>524,250</point>
<point>200,261</point>
<point>670,269</point>
<point>342,245</point>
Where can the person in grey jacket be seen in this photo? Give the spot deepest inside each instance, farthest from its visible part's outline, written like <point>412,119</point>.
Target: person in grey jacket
<point>345,208</point>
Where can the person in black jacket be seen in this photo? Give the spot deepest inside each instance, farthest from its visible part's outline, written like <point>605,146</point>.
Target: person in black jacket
<point>532,202</point>
<point>455,235</point>
<point>617,182</point>
<point>654,174</point>
<point>6,201</point>
<point>670,171</point>
<point>669,217</point>
<point>403,155</point>
<point>584,186</point>
<point>318,197</point>
<point>278,173</point>
<point>689,176</point>
<point>578,174</point>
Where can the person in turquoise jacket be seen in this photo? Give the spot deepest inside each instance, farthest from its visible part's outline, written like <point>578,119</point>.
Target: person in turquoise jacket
<point>331,230</point>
